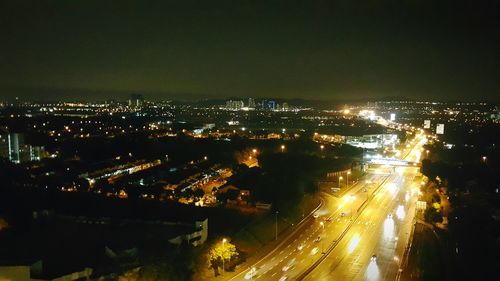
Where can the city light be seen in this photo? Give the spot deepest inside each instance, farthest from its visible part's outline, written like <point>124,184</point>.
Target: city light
<point>392,187</point>
<point>389,228</point>
<point>372,271</point>
<point>353,243</point>
<point>400,212</point>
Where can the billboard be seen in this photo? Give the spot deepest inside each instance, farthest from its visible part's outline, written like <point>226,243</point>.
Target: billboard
<point>393,116</point>
<point>427,124</point>
<point>440,129</point>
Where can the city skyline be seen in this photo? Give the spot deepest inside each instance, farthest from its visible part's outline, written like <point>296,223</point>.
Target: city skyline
<point>186,140</point>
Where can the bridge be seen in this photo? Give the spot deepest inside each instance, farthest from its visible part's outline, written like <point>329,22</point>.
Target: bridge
<point>393,162</point>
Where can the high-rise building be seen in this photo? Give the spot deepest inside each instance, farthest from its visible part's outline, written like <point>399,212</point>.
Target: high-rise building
<point>251,103</point>
<point>234,104</point>
<point>15,143</point>
<point>12,147</point>
<point>271,105</point>
<point>263,104</point>
<point>136,100</point>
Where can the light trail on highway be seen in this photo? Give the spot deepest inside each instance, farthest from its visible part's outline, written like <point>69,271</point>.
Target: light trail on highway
<point>359,236</point>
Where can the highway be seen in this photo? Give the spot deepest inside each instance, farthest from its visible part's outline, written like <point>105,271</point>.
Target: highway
<point>374,217</point>
<point>382,229</point>
<point>301,249</point>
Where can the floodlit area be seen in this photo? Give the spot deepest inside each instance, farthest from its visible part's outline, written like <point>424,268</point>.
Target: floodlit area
<point>392,187</point>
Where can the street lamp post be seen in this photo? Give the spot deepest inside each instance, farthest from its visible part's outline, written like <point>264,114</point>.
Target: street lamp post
<point>223,242</point>
<point>340,178</point>
<point>347,178</point>
<point>322,233</point>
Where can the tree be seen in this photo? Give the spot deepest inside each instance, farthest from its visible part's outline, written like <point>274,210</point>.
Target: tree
<point>219,252</point>
<point>432,215</point>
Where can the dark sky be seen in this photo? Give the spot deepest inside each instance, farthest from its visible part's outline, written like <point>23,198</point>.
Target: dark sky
<point>286,49</point>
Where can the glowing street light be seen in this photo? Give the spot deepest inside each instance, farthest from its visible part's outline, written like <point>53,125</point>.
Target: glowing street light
<point>321,147</point>
<point>322,231</point>
<point>400,212</point>
<point>340,178</point>
<point>484,158</point>
<point>224,240</point>
<point>254,151</point>
<point>282,147</point>
<point>347,178</point>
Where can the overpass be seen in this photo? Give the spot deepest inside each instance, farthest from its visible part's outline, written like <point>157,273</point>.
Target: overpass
<point>393,162</point>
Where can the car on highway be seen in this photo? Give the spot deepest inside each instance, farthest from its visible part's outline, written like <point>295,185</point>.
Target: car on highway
<point>342,214</point>
<point>289,265</point>
<point>315,215</point>
<point>314,251</point>
<point>373,258</point>
<point>251,273</point>
<point>283,278</point>
<point>300,247</point>
<point>317,239</point>
<point>328,219</point>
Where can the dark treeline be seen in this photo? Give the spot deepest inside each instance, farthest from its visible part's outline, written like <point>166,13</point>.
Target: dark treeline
<point>473,184</point>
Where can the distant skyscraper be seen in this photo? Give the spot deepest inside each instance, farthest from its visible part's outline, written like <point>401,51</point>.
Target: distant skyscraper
<point>285,106</point>
<point>263,104</point>
<point>251,103</point>
<point>12,147</point>
<point>15,142</point>
<point>271,104</point>
<point>234,104</point>
<point>136,100</point>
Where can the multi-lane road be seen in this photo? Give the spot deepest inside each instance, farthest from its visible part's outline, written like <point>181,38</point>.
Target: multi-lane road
<point>361,235</point>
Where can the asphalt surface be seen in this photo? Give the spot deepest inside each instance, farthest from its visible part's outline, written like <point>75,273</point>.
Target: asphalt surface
<point>374,217</point>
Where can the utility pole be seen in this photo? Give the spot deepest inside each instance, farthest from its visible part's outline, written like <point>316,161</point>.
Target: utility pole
<point>223,267</point>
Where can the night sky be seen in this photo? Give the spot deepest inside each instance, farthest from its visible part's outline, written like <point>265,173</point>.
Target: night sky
<point>420,49</point>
